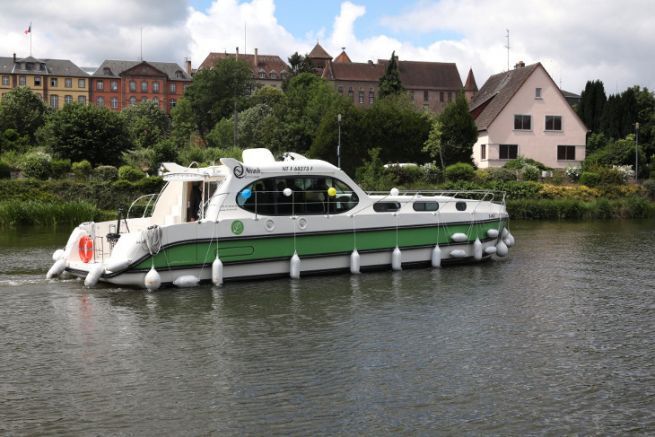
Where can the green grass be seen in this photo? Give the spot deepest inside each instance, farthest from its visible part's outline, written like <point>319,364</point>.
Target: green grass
<point>45,213</point>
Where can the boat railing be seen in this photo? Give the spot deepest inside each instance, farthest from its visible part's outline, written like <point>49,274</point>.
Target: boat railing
<point>143,205</point>
<point>481,195</point>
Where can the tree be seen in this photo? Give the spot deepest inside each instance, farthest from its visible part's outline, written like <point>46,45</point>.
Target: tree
<point>182,123</point>
<point>79,132</point>
<point>390,81</point>
<point>219,92</point>
<point>23,111</point>
<point>592,102</point>
<point>453,134</point>
<point>299,64</point>
<point>146,124</point>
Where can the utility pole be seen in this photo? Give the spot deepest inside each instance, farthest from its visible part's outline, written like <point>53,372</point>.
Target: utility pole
<point>339,143</point>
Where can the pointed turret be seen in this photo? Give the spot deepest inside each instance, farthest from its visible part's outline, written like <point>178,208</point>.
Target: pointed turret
<point>470,87</point>
<point>343,57</point>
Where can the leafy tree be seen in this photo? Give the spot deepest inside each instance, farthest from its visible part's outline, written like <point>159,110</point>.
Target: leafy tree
<point>390,81</point>
<point>619,152</point>
<point>182,123</point>
<point>222,135</point>
<point>23,111</point>
<point>453,136</point>
<point>299,64</point>
<point>146,124</point>
<point>592,102</point>
<point>79,132</point>
<point>218,92</point>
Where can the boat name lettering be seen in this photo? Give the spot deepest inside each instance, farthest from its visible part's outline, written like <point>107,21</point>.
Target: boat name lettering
<point>298,168</point>
<point>241,171</point>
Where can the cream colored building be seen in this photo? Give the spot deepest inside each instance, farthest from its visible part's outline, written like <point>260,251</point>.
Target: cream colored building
<point>57,81</point>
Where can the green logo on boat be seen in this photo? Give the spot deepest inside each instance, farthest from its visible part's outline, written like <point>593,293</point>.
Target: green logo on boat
<point>237,227</point>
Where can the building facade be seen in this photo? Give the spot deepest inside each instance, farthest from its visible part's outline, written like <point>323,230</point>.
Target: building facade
<point>430,85</point>
<point>267,70</point>
<point>118,84</point>
<point>522,112</point>
<point>57,81</point>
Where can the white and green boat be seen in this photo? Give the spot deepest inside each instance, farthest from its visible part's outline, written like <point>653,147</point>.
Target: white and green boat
<point>262,218</point>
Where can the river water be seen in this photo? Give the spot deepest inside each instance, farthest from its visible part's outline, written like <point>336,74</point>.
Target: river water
<point>558,338</point>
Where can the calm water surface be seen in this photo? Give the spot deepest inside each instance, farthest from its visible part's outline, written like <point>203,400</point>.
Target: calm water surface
<point>558,338</point>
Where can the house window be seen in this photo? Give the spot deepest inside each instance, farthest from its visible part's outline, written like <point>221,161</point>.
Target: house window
<point>54,82</point>
<point>106,71</point>
<point>483,152</point>
<point>508,151</point>
<point>132,101</point>
<point>340,90</point>
<point>29,66</point>
<point>371,96</point>
<point>100,102</point>
<point>537,93</point>
<point>172,87</point>
<point>179,74</point>
<point>144,86</point>
<point>54,101</point>
<point>361,97</point>
<point>450,96</point>
<point>21,80</point>
<point>273,75</point>
<point>156,100</point>
<point>132,86</point>
<point>68,100</point>
<point>37,81</point>
<point>114,85</point>
<point>155,87</point>
<point>522,122</point>
<point>350,92</point>
<point>441,96</point>
<point>100,85</point>
<point>262,75</point>
<point>554,122</point>
<point>68,82</point>
<point>426,96</point>
<point>566,153</point>
<point>81,100</point>
<point>81,83</point>
<point>114,103</point>
<point>5,80</point>
<point>171,103</point>
<point>144,99</point>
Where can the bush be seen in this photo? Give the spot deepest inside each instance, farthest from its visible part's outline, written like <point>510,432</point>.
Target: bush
<point>649,187</point>
<point>404,175</point>
<point>502,174</point>
<point>5,170</point>
<point>460,172</point>
<point>590,178</point>
<point>36,165</point>
<point>530,172</point>
<point>105,173</point>
<point>60,167</point>
<point>129,173</point>
<point>82,169</point>
<point>574,173</point>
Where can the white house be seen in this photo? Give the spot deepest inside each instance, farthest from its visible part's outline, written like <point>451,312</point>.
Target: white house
<point>523,112</point>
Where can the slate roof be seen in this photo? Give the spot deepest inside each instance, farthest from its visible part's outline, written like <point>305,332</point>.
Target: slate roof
<point>55,67</point>
<point>355,71</point>
<point>319,52</point>
<point>170,69</point>
<point>427,75</point>
<point>496,93</point>
<point>267,63</point>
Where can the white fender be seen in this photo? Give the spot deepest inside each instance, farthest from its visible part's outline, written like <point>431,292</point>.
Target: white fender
<point>72,241</point>
<point>458,253</point>
<point>56,269</point>
<point>186,281</point>
<point>116,265</point>
<point>501,249</point>
<point>492,233</point>
<point>94,275</point>
<point>396,259</point>
<point>436,256</point>
<point>459,237</point>
<point>504,233</point>
<point>294,270</point>
<point>152,280</point>
<point>490,250</point>
<point>477,249</point>
<point>354,262</point>
<point>217,271</point>
<point>57,254</point>
<point>509,239</point>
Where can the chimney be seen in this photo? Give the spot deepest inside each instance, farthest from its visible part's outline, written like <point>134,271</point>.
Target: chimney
<point>256,58</point>
<point>188,66</point>
<point>14,58</point>
<point>519,64</point>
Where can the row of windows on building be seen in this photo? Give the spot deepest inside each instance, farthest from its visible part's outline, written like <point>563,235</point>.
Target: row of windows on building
<point>54,81</point>
<point>361,95</point>
<point>100,101</point>
<point>511,151</point>
<point>272,75</point>
<point>155,86</point>
<point>524,122</point>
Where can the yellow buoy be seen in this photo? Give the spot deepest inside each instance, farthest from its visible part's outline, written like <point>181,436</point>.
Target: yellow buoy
<point>332,192</point>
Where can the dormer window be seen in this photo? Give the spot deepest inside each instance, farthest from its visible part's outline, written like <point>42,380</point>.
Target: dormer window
<point>106,71</point>
<point>29,66</point>
<point>262,74</point>
<point>273,75</point>
<point>537,93</point>
<point>179,74</point>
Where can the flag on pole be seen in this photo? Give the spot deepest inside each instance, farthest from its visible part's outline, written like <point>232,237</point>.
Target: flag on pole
<point>29,29</point>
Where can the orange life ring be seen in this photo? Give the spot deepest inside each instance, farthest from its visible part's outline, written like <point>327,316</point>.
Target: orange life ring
<point>86,248</point>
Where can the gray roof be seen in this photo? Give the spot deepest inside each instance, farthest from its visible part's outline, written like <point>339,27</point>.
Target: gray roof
<point>55,67</point>
<point>496,93</point>
<point>116,68</point>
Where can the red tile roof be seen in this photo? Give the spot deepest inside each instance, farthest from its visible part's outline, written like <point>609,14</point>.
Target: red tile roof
<point>266,63</point>
<point>319,52</point>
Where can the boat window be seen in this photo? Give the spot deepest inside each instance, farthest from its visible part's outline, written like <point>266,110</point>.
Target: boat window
<point>461,206</point>
<point>309,195</point>
<point>386,206</point>
<point>426,206</point>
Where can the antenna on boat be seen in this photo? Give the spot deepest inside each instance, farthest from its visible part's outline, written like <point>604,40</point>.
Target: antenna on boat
<point>339,143</point>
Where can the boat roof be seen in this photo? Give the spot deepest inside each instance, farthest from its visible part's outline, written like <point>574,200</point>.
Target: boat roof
<point>171,171</point>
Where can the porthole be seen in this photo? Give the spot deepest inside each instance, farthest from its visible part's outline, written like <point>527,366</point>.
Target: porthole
<point>386,206</point>
<point>460,206</point>
<point>426,206</point>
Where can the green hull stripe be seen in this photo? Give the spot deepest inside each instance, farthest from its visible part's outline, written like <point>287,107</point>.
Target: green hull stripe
<point>193,253</point>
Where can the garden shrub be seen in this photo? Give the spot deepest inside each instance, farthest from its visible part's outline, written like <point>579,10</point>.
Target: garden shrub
<point>129,173</point>
<point>530,172</point>
<point>82,169</point>
<point>36,165</point>
<point>649,187</point>
<point>460,171</point>
<point>105,173</point>
<point>590,178</point>
<point>60,167</point>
